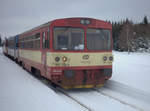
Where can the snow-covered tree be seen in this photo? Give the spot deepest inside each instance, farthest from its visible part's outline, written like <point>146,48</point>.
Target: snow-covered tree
<point>126,36</point>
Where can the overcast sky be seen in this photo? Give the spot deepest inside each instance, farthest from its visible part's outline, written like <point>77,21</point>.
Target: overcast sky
<point>17,16</point>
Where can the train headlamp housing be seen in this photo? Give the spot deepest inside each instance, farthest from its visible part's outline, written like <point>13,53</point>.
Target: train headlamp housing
<point>64,59</point>
<point>82,21</point>
<point>111,58</point>
<point>105,58</point>
<point>57,59</point>
<point>85,21</point>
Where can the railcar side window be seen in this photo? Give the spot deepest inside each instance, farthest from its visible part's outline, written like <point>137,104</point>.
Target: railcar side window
<point>98,39</point>
<point>48,39</point>
<point>43,40</point>
<point>66,38</point>
<point>30,42</point>
<point>36,42</point>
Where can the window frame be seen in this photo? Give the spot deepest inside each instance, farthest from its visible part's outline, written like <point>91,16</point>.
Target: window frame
<point>110,43</point>
<point>70,28</point>
<point>29,42</point>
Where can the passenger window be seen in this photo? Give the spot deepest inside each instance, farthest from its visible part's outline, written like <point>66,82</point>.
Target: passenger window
<point>48,39</point>
<point>43,40</point>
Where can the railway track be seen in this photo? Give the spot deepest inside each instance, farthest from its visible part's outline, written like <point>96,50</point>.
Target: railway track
<point>121,101</point>
<point>128,90</point>
<point>102,93</point>
<point>77,101</point>
<point>58,89</point>
<point>112,85</point>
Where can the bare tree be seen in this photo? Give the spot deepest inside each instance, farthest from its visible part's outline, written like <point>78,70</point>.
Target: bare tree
<point>126,36</point>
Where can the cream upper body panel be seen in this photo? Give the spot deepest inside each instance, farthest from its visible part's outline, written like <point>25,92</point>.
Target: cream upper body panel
<point>72,59</point>
<point>31,55</point>
<point>79,59</point>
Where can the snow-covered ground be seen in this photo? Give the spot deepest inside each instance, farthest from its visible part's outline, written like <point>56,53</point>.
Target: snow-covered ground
<point>20,91</point>
<point>132,69</point>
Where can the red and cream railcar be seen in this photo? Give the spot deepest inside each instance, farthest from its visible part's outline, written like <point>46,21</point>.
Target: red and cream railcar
<point>71,52</point>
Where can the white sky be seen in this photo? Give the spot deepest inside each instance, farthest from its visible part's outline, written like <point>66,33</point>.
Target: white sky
<point>17,16</point>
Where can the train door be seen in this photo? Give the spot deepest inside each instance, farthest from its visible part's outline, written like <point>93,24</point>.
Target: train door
<point>45,48</point>
<point>16,48</point>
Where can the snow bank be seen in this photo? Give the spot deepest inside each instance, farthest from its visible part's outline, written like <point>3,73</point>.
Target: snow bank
<point>132,69</point>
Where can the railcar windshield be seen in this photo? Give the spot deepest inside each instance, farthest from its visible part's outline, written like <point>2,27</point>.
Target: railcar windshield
<point>67,38</point>
<point>98,39</point>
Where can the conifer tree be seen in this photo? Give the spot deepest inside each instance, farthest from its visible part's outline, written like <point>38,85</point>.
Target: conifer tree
<point>145,20</point>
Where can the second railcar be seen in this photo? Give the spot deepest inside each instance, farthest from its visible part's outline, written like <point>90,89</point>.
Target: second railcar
<point>12,47</point>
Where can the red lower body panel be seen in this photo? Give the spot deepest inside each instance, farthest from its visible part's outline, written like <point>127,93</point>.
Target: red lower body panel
<point>72,77</point>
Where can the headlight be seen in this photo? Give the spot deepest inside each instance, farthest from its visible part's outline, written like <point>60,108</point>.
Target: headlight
<point>64,59</point>
<point>85,21</point>
<point>57,59</point>
<point>105,58</point>
<point>111,58</point>
<point>82,21</point>
<point>69,73</point>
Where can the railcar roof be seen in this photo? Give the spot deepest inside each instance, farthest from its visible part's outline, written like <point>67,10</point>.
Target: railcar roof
<point>55,20</point>
<point>38,27</point>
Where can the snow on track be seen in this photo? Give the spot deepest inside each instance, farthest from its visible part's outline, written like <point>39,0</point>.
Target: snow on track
<point>84,104</point>
<point>133,97</point>
<point>66,94</point>
<point>62,91</point>
<point>132,69</point>
<point>121,101</point>
<point>128,90</point>
<point>98,102</point>
<point>19,91</point>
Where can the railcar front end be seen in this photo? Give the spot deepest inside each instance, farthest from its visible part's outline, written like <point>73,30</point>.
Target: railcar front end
<point>81,54</point>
